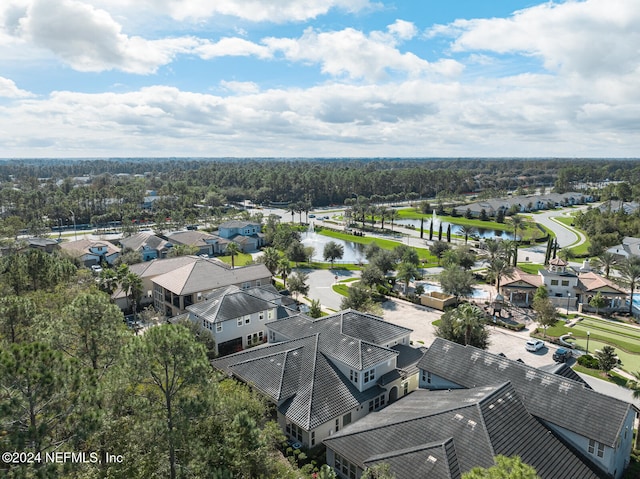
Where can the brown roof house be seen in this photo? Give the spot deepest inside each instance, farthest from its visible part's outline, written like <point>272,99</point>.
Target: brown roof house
<point>91,252</point>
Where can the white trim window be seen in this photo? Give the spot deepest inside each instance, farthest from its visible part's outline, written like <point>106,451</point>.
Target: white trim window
<point>218,327</point>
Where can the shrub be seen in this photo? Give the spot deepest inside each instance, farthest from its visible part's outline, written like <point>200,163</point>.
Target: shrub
<point>588,361</point>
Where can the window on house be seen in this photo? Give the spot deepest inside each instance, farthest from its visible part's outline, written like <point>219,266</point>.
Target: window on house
<point>369,375</point>
<point>249,340</point>
<point>554,282</point>
<point>353,376</point>
<point>313,438</point>
<point>565,282</point>
<point>261,316</point>
<point>426,377</point>
<point>239,321</point>
<point>272,336</point>
<point>261,336</point>
<point>258,282</point>
<point>344,467</point>
<point>405,388</point>
<point>337,424</point>
<point>198,296</point>
<point>218,327</point>
<point>600,449</point>
<point>270,314</point>
<point>246,285</point>
<point>346,419</point>
<point>247,319</point>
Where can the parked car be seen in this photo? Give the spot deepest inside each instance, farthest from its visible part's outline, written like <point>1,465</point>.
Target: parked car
<point>96,268</point>
<point>534,345</point>
<point>312,216</point>
<point>562,355</point>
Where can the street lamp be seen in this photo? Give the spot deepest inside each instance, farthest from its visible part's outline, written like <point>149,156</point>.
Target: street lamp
<point>568,301</point>
<point>588,335</point>
<point>75,231</point>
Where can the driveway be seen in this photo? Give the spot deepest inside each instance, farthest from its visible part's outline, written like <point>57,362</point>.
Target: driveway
<point>321,282</point>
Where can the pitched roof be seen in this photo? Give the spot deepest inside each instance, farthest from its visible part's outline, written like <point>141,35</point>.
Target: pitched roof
<point>193,238</point>
<point>444,433</point>
<point>156,267</point>
<point>518,275</point>
<point>137,241</point>
<point>593,282</point>
<point>297,376</point>
<point>547,396</point>
<point>205,274</point>
<point>82,246</point>
<point>356,339</point>
<point>228,303</point>
<point>238,224</point>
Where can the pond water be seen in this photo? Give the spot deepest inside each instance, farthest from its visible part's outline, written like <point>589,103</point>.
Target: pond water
<point>353,252</point>
<point>477,292</point>
<point>482,233</point>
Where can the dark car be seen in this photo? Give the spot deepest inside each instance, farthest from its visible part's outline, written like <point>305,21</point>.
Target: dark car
<point>562,355</point>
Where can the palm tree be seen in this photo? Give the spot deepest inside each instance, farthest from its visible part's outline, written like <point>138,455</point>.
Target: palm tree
<point>232,250</point>
<point>270,258</point>
<point>498,268</point>
<point>466,231</point>
<point>393,215</point>
<point>132,286</point>
<point>493,249</point>
<point>468,319</point>
<point>517,224</point>
<point>629,268</point>
<point>405,273</point>
<point>606,261</point>
<point>383,211</point>
<point>284,268</point>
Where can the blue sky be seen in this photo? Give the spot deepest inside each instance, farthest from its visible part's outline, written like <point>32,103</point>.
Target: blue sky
<point>305,78</point>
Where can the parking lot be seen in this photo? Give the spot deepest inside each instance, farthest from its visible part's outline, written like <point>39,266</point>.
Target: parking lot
<point>509,343</point>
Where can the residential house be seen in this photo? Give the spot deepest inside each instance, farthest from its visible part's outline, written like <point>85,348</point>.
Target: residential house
<point>443,434</point>
<point>323,374</point>
<point>147,244</point>
<point>248,234</point>
<point>615,206</point>
<point>629,247</point>
<point>207,244</point>
<point>91,252</point>
<point>237,318</point>
<point>566,287</point>
<point>47,245</point>
<point>598,428</point>
<point>177,289</point>
<point>525,203</point>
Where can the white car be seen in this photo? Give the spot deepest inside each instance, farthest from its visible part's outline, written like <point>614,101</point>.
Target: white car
<point>534,345</point>
<point>96,268</point>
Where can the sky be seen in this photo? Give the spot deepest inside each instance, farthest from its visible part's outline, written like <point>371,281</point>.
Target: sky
<point>319,78</point>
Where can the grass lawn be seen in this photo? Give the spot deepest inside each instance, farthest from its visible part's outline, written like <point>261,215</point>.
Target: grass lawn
<point>423,253</point>
<point>613,377</point>
<point>624,338</point>
<point>342,289</point>
<point>530,267</point>
<point>239,260</point>
<point>529,232</point>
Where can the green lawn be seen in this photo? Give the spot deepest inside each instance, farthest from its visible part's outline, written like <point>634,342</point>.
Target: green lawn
<point>239,260</point>
<point>530,267</point>
<point>423,253</point>
<point>624,338</point>
<point>341,289</point>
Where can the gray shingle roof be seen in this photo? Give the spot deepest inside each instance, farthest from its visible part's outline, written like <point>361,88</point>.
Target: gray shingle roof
<point>547,396</point>
<point>296,375</point>
<point>473,424</point>
<point>349,336</point>
<point>137,241</point>
<point>228,303</point>
<point>192,238</point>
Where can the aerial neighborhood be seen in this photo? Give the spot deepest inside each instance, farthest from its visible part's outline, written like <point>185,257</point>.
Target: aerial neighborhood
<point>380,336</point>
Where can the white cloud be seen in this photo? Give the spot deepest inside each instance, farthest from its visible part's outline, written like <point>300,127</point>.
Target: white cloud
<point>587,38</point>
<point>88,39</point>
<point>8,89</point>
<point>252,10</point>
<point>352,54</point>
<point>232,47</point>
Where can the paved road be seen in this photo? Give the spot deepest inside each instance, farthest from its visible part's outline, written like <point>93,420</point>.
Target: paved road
<point>565,236</point>
<point>320,283</point>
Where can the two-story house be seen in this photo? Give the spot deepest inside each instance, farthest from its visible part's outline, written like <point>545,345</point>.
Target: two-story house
<point>147,244</point>
<point>206,243</point>
<point>598,428</point>
<point>248,234</point>
<point>323,374</point>
<point>189,284</point>
<point>443,434</point>
<point>91,252</point>
<point>237,318</point>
